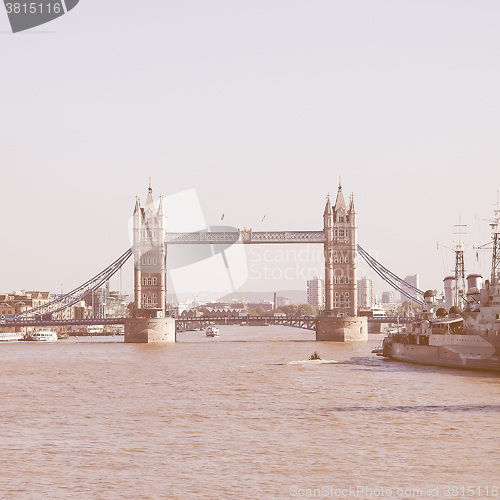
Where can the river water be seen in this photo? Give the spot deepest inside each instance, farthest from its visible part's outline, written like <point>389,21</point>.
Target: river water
<point>242,416</point>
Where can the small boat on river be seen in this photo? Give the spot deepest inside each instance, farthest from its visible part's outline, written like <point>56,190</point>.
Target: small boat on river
<point>212,331</point>
<point>41,336</point>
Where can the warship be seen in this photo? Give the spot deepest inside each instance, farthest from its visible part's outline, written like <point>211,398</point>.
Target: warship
<point>468,334</point>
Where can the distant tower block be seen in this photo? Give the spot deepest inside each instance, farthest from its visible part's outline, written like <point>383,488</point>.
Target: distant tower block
<point>339,321</point>
<point>150,257</point>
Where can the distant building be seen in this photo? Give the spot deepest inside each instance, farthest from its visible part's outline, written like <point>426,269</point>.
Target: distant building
<point>388,298</point>
<point>283,301</point>
<point>115,305</point>
<point>412,280</point>
<point>95,303</point>
<point>316,292</point>
<point>366,292</point>
<point>178,308</point>
<point>19,301</point>
<point>223,312</point>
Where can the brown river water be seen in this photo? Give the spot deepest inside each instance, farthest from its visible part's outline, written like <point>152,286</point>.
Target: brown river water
<point>242,416</point>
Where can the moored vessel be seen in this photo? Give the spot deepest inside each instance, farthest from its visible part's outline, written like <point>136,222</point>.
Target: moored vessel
<point>465,336</point>
<point>444,342</point>
<point>378,313</point>
<point>41,336</point>
<point>10,336</point>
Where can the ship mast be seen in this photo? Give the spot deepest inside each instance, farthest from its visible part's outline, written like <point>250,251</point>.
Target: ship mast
<point>459,267</point>
<point>495,259</point>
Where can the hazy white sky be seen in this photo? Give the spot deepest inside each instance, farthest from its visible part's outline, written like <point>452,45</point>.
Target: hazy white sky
<point>259,106</point>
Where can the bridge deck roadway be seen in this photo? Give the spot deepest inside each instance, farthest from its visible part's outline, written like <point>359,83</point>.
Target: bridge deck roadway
<point>245,237</point>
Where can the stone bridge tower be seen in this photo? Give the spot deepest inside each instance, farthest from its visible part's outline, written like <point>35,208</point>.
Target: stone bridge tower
<point>339,320</point>
<point>149,258</point>
<point>149,323</point>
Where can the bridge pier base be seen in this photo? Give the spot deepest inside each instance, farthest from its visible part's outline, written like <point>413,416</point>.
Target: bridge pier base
<point>341,329</point>
<point>149,330</point>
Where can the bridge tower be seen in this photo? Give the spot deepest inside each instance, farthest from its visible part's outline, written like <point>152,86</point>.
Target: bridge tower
<point>339,320</point>
<point>150,267</point>
<point>149,258</point>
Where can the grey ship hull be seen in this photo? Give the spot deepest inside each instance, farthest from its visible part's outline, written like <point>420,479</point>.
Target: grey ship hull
<point>480,355</point>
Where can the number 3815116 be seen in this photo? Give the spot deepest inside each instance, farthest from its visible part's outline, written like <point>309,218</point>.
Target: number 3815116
<point>33,8</point>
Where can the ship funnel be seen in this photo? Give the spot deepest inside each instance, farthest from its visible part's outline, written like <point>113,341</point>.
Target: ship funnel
<point>449,283</point>
<point>474,281</point>
<point>430,300</point>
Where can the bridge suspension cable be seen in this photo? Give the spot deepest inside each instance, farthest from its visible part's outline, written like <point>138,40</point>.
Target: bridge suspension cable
<point>408,290</point>
<point>67,300</point>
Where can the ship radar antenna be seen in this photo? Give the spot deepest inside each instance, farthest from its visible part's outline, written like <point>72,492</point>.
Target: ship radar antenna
<point>459,297</point>
<point>460,289</point>
<point>495,258</point>
<point>496,213</point>
<point>460,230</point>
<point>494,223</point>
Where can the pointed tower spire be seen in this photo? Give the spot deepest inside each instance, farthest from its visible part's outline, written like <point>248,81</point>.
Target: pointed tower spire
<point>149,197</point>
<point>328,206</point>
<point>352,209</point>
<point>137,208</point>
<point>160,207</point>
<point>339,202</point>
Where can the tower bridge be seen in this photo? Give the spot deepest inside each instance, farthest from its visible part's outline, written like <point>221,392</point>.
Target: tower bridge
<point>339,320</point>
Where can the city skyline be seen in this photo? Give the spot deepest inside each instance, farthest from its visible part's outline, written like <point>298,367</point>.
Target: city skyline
<point>398,99</point>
